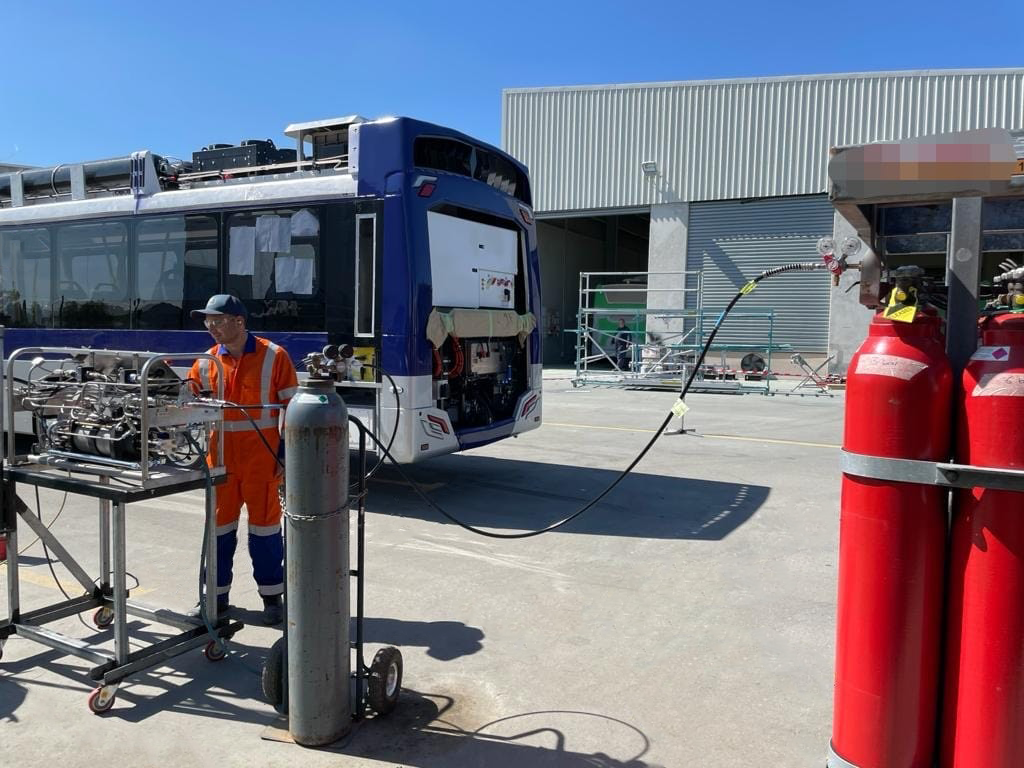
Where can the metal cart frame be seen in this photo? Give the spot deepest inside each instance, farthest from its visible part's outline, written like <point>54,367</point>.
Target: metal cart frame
<point>108,592</point>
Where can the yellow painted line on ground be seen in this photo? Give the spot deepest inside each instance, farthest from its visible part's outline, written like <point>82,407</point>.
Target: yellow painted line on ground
<point>770,440</point>
<point>73,588</point>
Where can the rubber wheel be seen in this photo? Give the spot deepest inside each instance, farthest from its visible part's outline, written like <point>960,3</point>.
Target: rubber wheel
<point>273,679</point>
<point>752,363</point>
<point>215,651</point>
<point>95,705</point>
<point>103,617</point>
<point>385,680</point>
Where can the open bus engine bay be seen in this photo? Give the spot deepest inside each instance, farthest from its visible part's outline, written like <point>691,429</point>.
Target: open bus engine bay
<point>479,324</point>
<point>480,380</point>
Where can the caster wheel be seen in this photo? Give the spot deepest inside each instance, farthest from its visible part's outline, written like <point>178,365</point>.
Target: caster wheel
<point>385,681</point>
<point>103,617</point>
<point>274,677</point>
<point>101,700</point>
<point>215,651</point>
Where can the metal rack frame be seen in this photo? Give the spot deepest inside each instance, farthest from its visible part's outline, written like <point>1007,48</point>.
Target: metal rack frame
<point>664,363</point>
<point>108,592</point>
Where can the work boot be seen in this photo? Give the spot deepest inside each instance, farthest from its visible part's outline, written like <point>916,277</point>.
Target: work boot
<point>273,610</point>
<point>223,608</point>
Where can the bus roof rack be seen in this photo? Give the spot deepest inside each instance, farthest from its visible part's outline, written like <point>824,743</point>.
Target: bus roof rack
<point>296,130</point>
<point>329,137</point>
<point>140,173</point>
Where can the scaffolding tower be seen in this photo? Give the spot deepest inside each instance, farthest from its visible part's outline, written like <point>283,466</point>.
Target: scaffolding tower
<point>664,327</point>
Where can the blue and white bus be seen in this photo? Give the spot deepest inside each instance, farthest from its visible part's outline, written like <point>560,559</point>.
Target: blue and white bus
<point>413,243</point>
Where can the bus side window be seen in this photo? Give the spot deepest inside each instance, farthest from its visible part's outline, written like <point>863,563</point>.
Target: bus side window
<point>176,269</point>
<point>92,281</point>
<point>25,278</point>
<point>366,288</point>
<point>274,266</point>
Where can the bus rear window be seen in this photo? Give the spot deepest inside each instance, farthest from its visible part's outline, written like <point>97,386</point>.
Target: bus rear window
<point>436,153</point>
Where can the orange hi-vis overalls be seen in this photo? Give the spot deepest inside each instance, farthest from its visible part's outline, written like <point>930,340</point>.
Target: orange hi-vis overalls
<point>263,375</point>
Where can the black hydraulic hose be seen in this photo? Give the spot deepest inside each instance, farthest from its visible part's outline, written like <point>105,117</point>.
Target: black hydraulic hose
<point>394,429</point>
<point>750,286</point>
<point>799,266</point>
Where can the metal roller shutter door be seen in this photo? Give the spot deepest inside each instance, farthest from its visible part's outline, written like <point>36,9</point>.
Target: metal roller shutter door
<point>732,241</point>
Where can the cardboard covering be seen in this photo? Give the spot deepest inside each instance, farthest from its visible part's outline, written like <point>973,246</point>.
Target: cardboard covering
<point>479,323</point>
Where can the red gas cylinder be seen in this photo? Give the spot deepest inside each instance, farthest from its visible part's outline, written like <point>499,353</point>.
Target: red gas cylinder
<point>983,712</point>
<point>892,539</point>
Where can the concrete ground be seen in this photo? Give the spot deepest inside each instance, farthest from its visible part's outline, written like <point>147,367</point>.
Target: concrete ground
<point>687,620</point>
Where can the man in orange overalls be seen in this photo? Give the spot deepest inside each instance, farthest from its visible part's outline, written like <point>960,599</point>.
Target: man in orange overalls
<point>256,372</point>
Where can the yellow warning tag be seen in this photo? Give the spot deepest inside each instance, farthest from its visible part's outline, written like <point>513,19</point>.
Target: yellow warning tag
<point>748,287</point>
<point>680,408</point>
<point>901,314</point>
<point>902,307</point>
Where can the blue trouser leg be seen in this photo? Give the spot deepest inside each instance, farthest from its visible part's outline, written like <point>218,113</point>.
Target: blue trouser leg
<point>226,544</point>
<point>267,553</point>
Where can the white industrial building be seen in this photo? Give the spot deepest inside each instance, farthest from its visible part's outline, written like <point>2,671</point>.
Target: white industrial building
<point>727,177</point>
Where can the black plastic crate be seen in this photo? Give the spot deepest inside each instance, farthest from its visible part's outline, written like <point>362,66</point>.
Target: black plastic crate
<point>248,154</point>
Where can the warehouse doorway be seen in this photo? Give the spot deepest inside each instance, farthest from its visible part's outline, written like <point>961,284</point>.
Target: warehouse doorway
<point>568,245</point>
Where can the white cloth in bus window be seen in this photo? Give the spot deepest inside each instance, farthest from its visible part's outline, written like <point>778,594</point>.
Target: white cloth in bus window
<point>242,250</point>
<point>305,223</point>
<point>273,234</point>
<point>294,274</point>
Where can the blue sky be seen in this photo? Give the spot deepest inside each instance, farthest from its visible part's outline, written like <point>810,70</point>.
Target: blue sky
<point>82,81</point>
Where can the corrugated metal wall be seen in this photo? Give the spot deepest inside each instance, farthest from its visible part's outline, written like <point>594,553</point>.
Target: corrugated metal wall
<point>732,241</point>
<point>727,139</point>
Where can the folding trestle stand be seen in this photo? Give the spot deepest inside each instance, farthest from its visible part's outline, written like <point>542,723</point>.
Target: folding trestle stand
<point>107,595</point>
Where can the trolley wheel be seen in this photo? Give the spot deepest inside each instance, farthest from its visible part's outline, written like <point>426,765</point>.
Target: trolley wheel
<point>385,680</point>
<point>273,679</point>
<point>103,617</point>
<point>215,651</point>
<point>101,700</point>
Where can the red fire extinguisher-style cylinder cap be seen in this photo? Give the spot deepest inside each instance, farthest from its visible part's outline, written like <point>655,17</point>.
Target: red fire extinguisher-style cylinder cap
<point>1005,328</point>
<point>925,324</point>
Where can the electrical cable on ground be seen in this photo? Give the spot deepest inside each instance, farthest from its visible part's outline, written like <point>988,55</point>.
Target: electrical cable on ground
<point>48,526</point>
<point>49,560</point>
<point>394,430</point>
<point>750,286</point>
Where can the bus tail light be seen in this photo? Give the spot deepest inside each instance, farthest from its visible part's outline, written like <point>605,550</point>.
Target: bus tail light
<point>425,185</point>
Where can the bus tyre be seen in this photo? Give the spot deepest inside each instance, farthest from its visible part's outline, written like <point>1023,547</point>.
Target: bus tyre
<point>272,679</point>
<point>385,680</point>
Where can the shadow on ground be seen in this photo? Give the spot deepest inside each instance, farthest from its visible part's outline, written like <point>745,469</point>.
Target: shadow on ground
<point>189,682</point>
<point>503,493</point>
<point>424,732</point>
<point>444,640</point>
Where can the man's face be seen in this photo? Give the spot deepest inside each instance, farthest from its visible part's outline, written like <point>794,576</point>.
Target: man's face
<point>225,329</point>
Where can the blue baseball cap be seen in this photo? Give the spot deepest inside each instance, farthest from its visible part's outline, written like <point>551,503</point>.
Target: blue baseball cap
<point>222,304</point>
